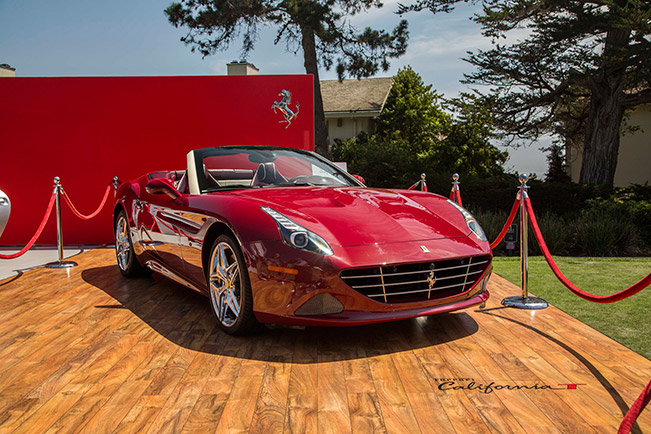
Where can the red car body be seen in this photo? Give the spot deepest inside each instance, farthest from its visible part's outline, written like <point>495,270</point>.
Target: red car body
<point>393,254</point>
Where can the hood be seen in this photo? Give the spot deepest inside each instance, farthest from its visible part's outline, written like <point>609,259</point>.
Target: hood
<point>359,216</point>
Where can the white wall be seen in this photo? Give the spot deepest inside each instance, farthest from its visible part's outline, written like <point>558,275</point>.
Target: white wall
<point>350,127</point>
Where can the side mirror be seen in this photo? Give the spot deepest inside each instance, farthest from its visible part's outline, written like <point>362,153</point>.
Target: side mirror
<point>162,186</point>
<point>5,210</point>
<point>360,179</point>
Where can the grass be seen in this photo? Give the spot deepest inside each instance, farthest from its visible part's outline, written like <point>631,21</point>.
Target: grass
<point>626,321</point>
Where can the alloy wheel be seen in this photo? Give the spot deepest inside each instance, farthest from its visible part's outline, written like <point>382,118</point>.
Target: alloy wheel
<point>122,243</point>
<point>224,278</point>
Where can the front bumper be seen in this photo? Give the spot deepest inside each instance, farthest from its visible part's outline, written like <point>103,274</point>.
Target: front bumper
<point>277,296</point>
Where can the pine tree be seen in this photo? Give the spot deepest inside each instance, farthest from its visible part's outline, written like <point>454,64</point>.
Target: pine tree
<point>556,167</point>
<point>591,53</point>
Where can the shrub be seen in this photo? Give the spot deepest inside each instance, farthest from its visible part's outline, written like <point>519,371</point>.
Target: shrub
<point>601,233</point>
<point>635,202</point>
<point>574,219</point>
<point>558,234</point>
<point>594,233</point>
<point>498,193</point>
<point>385,164</point>
<point>618,225</point>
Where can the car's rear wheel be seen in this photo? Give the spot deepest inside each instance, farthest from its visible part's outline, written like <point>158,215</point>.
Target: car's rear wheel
<point>230,290</point>
<point>126,258</point>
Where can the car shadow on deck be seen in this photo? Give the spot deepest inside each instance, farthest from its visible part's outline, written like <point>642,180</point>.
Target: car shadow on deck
<point>184,317</point>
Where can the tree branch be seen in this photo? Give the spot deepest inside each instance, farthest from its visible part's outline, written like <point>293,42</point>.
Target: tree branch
<point>635,99</point>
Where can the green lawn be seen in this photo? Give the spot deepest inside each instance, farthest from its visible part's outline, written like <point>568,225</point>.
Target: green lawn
<point>627,321</point>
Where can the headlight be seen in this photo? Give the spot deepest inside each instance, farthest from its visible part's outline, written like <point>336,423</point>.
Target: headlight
<point>470,221</point>
<point>297,236</point>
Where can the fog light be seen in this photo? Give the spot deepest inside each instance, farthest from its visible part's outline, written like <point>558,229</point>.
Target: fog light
<point>321,304</point>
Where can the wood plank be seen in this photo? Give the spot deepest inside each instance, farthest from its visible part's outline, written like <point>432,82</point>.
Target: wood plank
<point>178,407</point>
<point>397,413</point>
<point>205,414</point>
<point>116,407</point>
<point>302,399</point>
<point>365,413</point>
<point>333,413</point>
<point>271,407</point>
<point>51,411</point>
<point>238,412</point>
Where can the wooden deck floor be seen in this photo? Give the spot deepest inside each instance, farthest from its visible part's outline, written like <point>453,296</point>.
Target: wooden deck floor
<point>86,350</point>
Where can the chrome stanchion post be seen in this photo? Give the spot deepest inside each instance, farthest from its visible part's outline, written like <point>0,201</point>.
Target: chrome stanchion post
<point>60,263</point>
<point>524,301</point>
<point>116,183</point>
<point>423,185</point>
<point>524,239</point>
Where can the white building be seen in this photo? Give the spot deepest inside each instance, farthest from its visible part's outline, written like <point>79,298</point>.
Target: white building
<point>351,106</point>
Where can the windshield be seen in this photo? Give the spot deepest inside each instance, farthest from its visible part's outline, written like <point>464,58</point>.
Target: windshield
<point>257,167</point>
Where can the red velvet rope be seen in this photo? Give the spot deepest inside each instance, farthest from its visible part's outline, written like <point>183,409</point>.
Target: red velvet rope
<point>635,410</point>
<point>424,185</point>
<point>38,231</point>
<point>634,289</point>
<point>90,216</point>
<point>505,229</point>
<point>455,196</point>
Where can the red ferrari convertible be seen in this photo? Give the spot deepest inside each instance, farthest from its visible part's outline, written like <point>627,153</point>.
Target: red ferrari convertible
<point>283,236</point>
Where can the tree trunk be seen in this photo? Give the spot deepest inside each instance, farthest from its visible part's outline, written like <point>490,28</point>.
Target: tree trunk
<point>321,143</point>
<point>601,146</point>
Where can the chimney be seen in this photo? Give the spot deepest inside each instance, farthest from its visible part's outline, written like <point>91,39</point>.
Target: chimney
<point>7,71</point>
<point>241,68</point>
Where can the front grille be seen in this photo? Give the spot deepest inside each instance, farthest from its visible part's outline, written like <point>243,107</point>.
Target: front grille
<point>420,281</point>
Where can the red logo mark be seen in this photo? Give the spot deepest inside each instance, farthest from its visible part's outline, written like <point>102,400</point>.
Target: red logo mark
<point>572,386</point>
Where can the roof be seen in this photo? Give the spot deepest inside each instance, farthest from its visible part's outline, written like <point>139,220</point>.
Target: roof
<point>365,95</point>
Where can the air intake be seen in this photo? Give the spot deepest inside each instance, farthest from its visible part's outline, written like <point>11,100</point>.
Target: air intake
<point>321,304</point>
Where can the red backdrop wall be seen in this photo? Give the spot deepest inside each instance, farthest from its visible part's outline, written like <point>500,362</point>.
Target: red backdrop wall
<point>87,130</point>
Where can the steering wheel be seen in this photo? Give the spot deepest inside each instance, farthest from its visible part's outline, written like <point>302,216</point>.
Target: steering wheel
<point>299,179</point>
<point>312,180</point>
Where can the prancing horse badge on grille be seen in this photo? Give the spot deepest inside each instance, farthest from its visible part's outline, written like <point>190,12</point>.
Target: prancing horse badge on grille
<point>424,249</point>
<point>431,280</point>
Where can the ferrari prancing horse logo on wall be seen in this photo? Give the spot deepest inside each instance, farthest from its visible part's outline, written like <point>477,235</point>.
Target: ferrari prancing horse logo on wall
<point>283,106</point>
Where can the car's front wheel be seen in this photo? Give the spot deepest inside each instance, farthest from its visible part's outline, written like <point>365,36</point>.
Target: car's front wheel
<point>230,290</point>
<point>126,258</point>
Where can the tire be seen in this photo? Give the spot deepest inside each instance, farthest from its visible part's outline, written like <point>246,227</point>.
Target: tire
<point>231,300</point>
<point>124,254</point>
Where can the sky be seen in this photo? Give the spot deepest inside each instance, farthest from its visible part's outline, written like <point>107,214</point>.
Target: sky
<point>43,38</point>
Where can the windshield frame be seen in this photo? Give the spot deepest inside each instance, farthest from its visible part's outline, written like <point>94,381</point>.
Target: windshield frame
<point>200,154</point>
